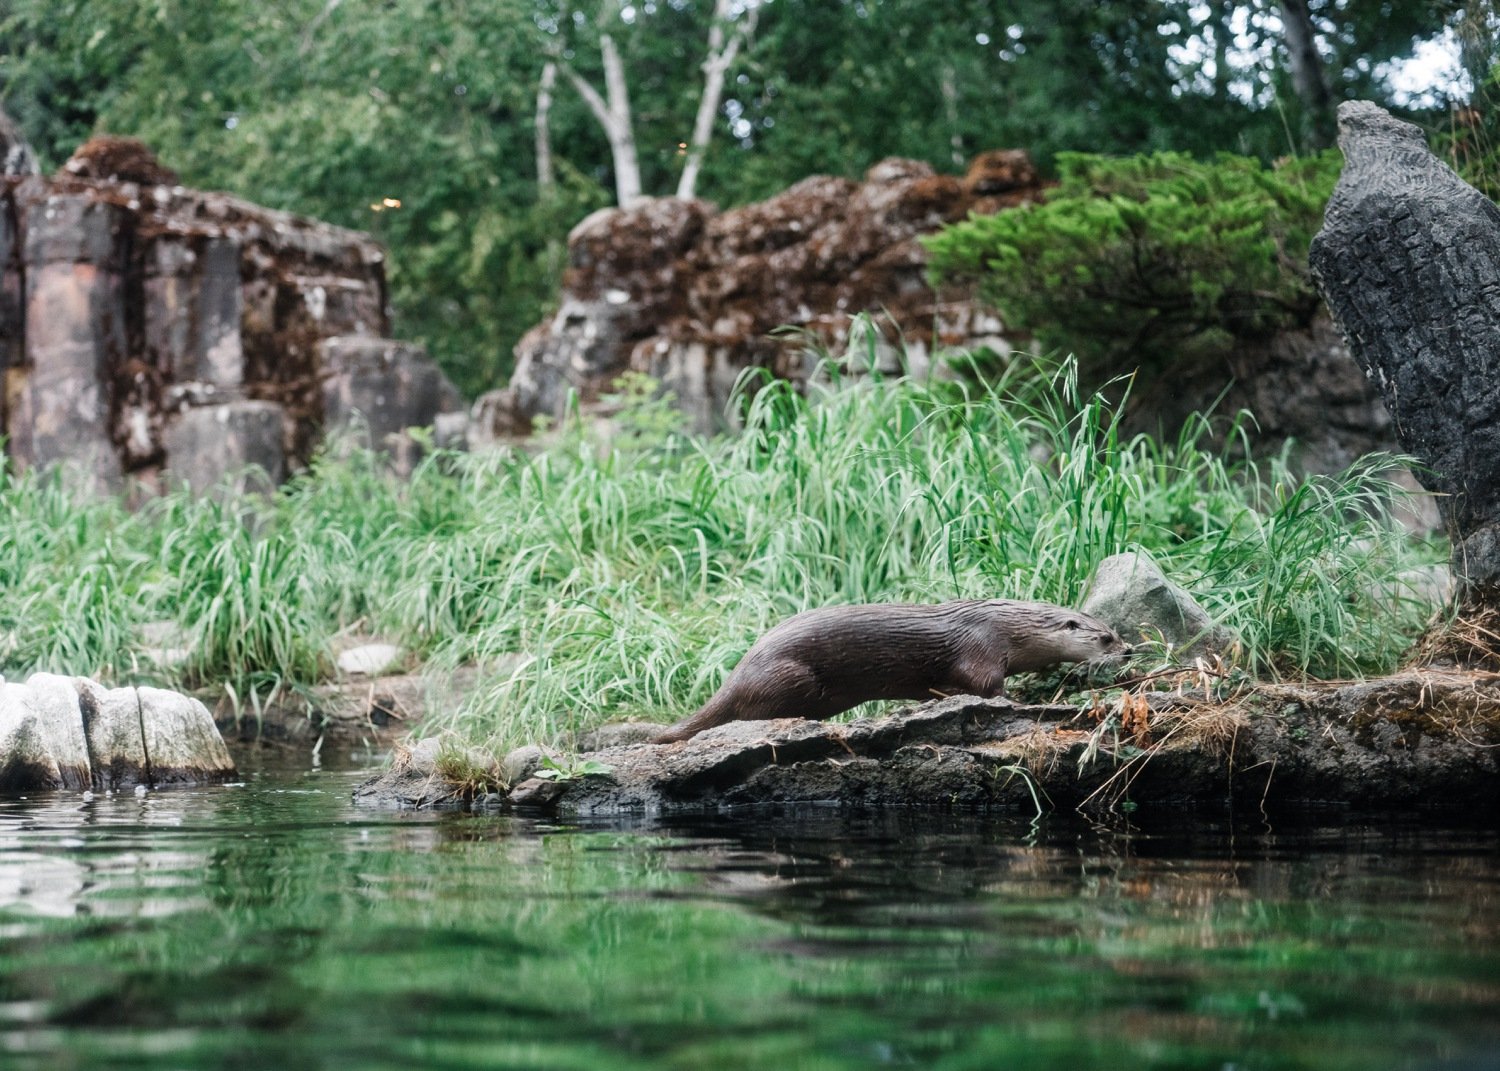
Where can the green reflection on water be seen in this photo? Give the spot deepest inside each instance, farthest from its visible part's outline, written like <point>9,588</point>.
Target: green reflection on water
<point>269,925</point>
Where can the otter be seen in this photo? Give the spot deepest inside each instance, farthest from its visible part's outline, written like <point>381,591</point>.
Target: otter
<point>822,662</point>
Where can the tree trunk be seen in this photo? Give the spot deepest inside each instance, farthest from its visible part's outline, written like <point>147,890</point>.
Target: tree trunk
<point>620,129</point>
<point>613,115</point>
<point>1309,79</point>
<point>1223,31</point>
<point>949,86</point>
<point>546,180</point>
<point>716,64</point>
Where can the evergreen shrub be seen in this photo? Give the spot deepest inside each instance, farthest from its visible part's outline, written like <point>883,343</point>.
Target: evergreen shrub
<point>1157,257</point>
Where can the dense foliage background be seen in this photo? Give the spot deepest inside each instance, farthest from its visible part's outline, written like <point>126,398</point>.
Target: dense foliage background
<point>330,107</point>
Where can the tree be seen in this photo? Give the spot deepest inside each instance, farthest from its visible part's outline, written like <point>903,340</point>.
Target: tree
<point>1157,258</point>
<point>328,107</point>
<point>1306,68</point>
<point>730,27</point>
<point>725,36</point>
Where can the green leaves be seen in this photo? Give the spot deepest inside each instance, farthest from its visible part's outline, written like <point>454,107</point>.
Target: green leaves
<point>1149,258</point>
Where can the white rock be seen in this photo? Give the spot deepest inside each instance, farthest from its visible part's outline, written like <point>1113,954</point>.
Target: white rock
<point>182,742</point>
<point>112,726</point>
<point>369,659</point>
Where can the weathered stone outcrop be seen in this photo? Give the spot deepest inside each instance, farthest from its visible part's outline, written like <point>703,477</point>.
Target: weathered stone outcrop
<point>375,389</point>
<point>128,303</point>
<point>1301,384</point>
<point>694,297</point>
<point>1409,261</point>
<point>73,733</point>
<point>677,290</point>
<point>1426,740</point>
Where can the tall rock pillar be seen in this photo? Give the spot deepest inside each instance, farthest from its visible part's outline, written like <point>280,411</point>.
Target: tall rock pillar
<point>74,266</point>
<point>1409,261</point>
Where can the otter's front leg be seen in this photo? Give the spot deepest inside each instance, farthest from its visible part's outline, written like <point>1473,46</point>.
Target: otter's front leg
<point>986,680</point>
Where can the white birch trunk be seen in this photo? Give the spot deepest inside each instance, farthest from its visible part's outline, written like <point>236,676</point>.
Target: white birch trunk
<point>949,86</point>
<point>716,64</point>
<point>546,179</point>
<point>614,116</point>
<point>620,129</point>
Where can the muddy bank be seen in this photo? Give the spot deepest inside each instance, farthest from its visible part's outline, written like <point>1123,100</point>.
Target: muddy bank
<point>1427,740</point>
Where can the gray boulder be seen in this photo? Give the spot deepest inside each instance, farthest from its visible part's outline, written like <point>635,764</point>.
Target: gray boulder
<point>240,441</point>
<point>112,724</point>
<point>1132,594</point>
<point>42,743</point>
<point>380,388</point>
<point>183,746</point>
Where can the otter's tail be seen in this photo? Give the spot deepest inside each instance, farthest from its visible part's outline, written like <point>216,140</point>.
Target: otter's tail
<point>706,718</point>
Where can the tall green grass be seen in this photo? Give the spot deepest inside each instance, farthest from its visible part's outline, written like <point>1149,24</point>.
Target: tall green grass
<point>592,580</point>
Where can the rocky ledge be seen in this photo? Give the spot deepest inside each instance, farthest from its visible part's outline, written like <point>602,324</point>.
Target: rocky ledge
<point>1421,740</point>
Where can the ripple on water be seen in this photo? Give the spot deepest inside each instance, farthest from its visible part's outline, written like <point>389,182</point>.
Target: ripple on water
<point>269,924</point>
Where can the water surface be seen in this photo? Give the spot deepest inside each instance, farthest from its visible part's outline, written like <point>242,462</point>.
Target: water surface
<point>270,925</point>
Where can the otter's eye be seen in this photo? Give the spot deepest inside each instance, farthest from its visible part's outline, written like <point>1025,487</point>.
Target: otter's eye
<point>1072,624</point>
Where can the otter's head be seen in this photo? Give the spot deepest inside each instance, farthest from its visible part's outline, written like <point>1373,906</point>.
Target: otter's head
<point>1048,634</point>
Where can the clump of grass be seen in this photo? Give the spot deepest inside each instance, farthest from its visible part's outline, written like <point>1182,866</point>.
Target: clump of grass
<point>606,579</point>
<point>70,578</point>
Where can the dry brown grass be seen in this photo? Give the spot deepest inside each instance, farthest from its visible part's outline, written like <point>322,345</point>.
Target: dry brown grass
<point>1469,637</point>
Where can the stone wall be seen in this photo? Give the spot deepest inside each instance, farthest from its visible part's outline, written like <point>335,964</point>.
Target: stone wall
<point>164,334</point>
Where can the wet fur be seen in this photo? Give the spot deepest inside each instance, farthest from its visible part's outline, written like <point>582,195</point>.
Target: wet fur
<point>823,662</point>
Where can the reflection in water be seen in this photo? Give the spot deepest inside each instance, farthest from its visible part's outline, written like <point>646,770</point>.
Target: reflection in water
<point>269,924</point>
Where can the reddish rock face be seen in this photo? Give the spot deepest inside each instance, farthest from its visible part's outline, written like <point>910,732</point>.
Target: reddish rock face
<point>692,297</point>
<point>127,301</point>
<point>109,158</point>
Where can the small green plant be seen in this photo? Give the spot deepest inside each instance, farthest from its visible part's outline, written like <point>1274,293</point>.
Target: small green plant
<point>1013,771</point>
<point>648,415</point>
<point>571,769</point>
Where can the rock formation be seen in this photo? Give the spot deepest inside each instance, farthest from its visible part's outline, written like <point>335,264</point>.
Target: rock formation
<point>130,306</point>
<point>1409,261</point>
<point>1129,591</point>
<point>692,296</point>
<point>72,733</point>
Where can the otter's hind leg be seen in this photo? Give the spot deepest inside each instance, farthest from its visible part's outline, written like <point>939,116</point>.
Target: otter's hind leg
<point>784,688</point>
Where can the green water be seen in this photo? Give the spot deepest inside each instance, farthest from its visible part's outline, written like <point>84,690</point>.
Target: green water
<point>270,925</point>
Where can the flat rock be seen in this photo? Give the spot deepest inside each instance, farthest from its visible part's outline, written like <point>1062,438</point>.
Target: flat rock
<point>1426,740</point>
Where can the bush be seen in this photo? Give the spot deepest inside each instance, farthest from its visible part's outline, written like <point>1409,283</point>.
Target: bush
<point>1149,257</point>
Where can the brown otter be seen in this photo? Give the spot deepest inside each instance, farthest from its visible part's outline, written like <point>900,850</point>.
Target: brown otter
<point>822,662</point>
